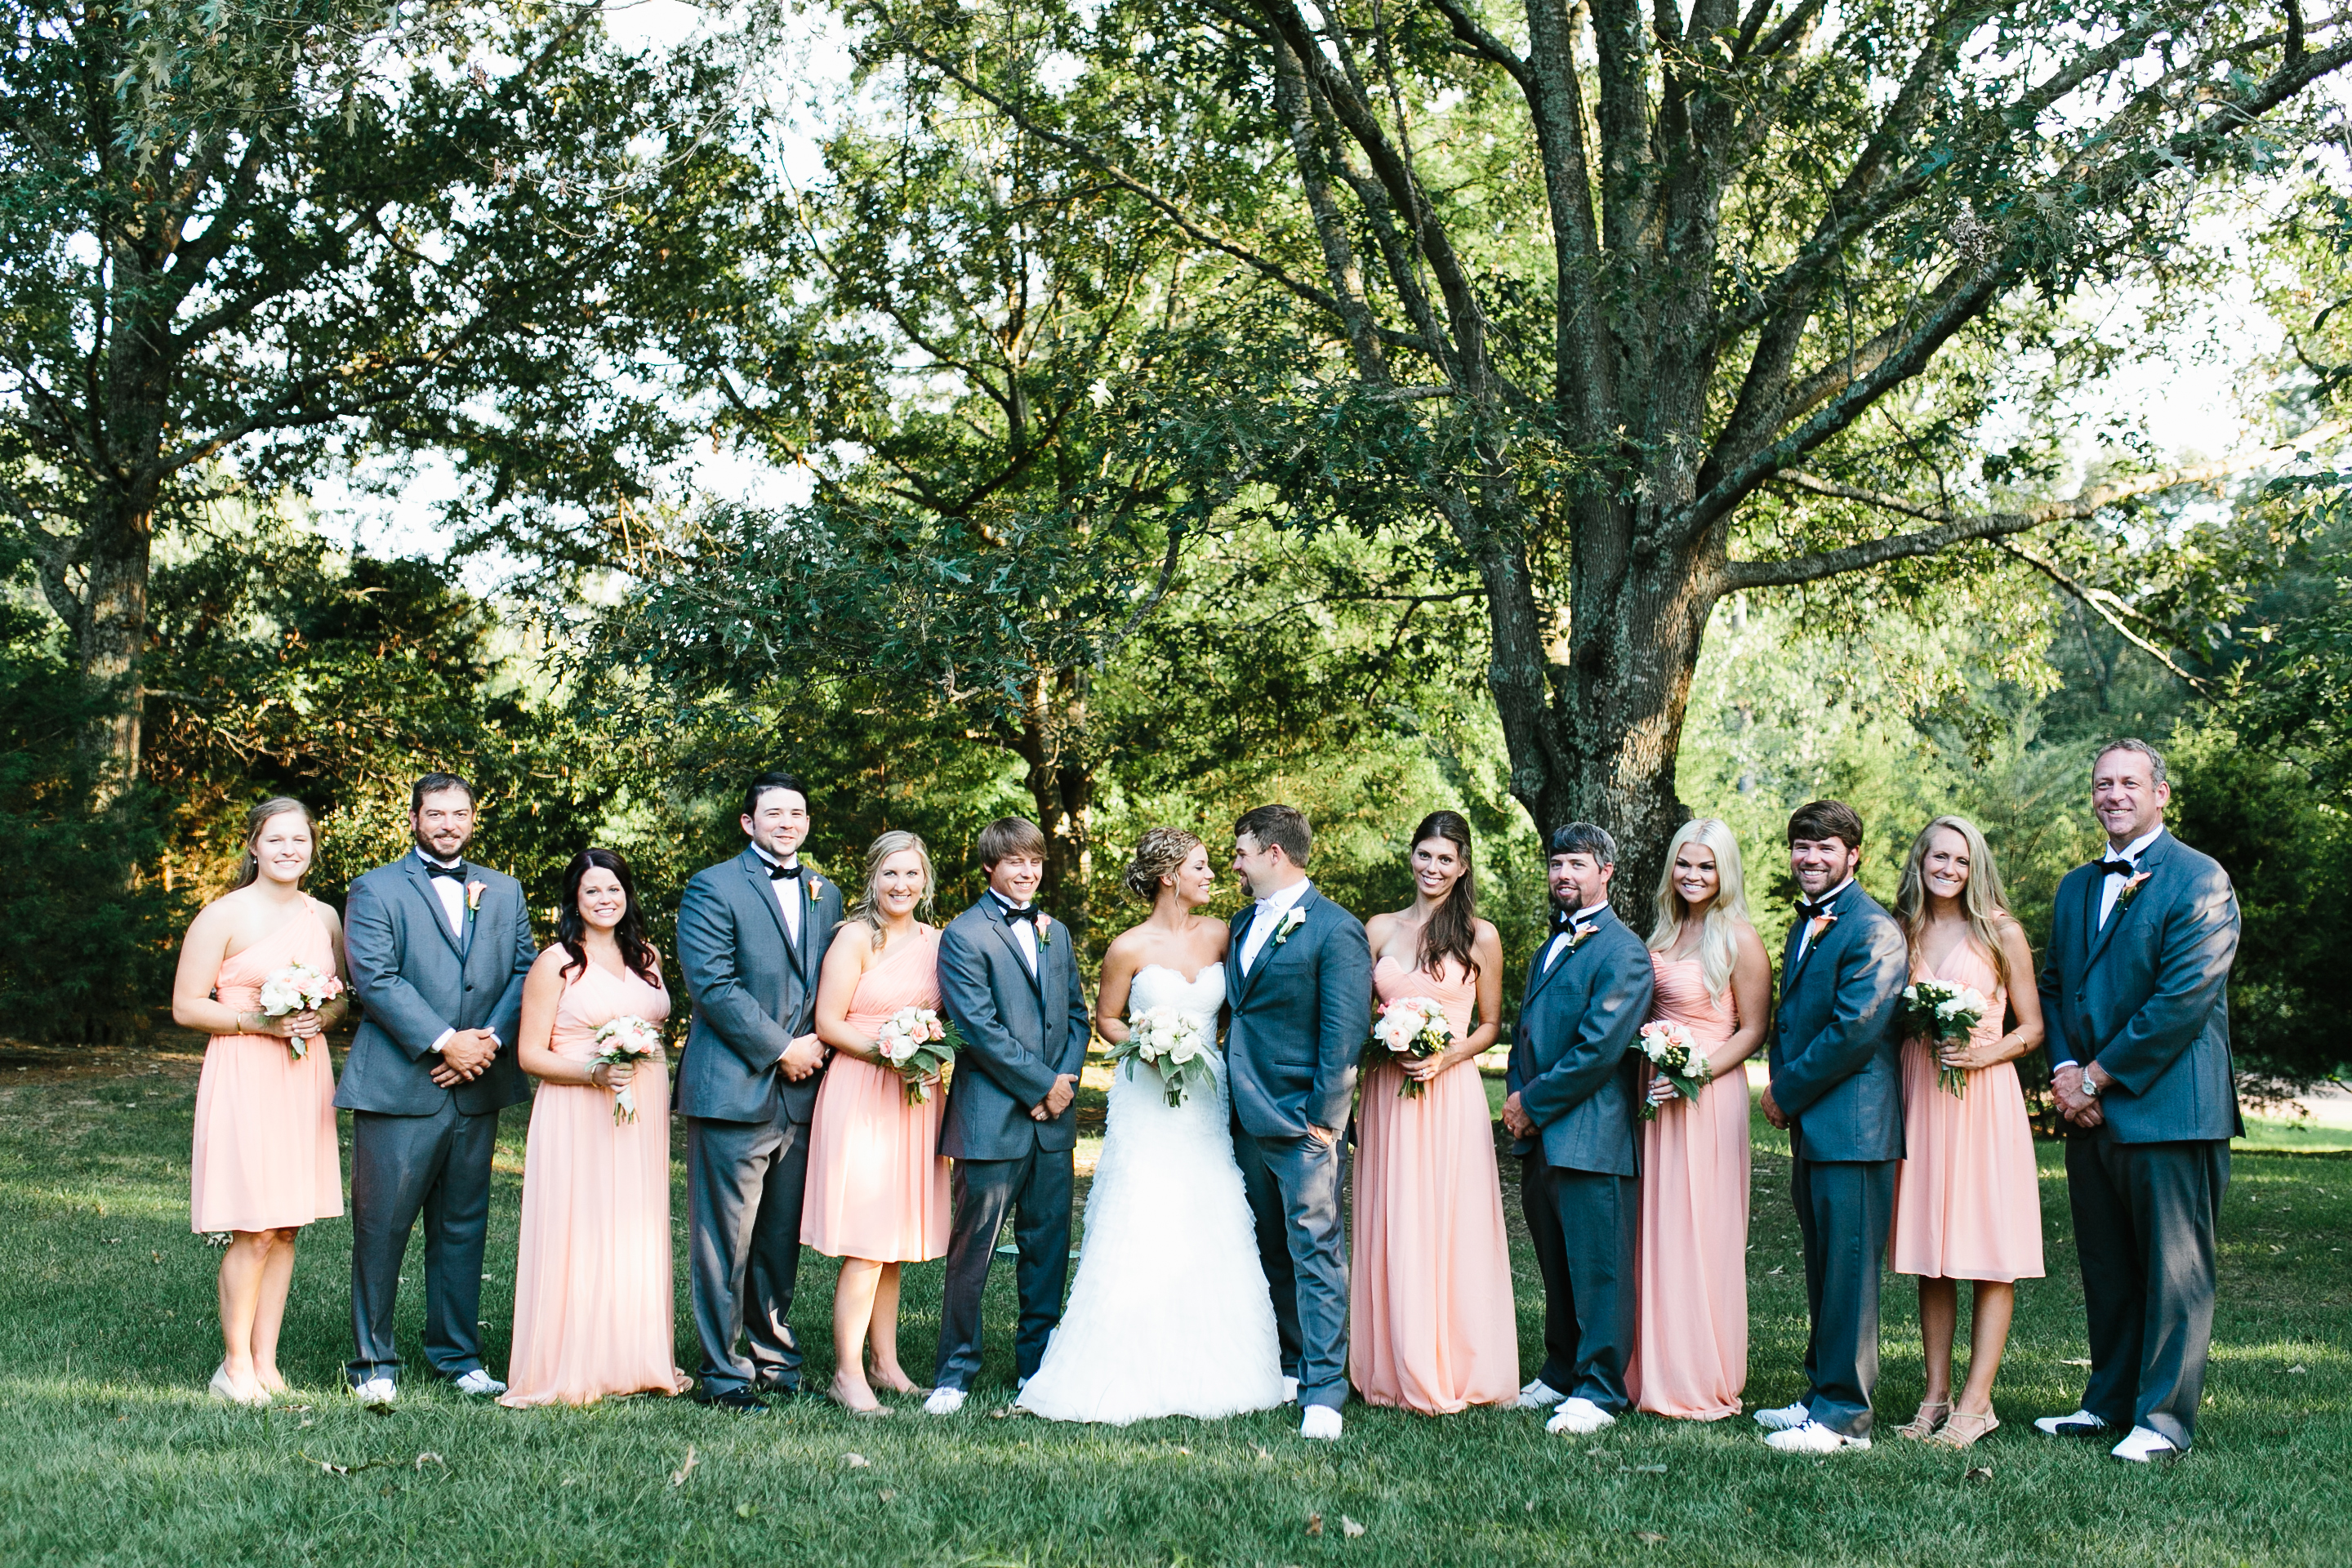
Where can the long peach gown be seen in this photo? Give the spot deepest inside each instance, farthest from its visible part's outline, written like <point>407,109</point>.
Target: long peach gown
<point>1690,1257</point>
<point>265,1136</point>
<point>878,1183</point>
<point>1968,1199</point>
<point>1431,1323</point>
<point>595,1306</point>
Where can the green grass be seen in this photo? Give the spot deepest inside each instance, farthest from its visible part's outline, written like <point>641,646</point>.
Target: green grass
<point>110,1452</point>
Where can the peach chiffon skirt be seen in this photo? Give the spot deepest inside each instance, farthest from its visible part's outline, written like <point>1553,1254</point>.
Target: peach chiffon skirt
<point>1432,1327</point>
<point>594,1305</point>
<point>266,1156</point>
<point>1690,1255</point>
<point>1968,1196</point>
<point>877,1184</point>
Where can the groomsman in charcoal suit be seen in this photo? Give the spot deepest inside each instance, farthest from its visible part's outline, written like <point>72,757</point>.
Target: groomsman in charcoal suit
<point>1009,981</point>
<point>1574,1081</point>
<point>752,934</point>
<point>2136,991</point>
<point>1300,986</point>
<point>1837,1090</point>
<point>438,949</point>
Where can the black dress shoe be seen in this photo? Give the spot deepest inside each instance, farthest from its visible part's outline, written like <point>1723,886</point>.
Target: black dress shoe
<point>779,1390</point>
<point>741,1401</point>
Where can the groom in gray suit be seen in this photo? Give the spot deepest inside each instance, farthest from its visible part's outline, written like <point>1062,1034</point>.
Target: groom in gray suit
<point>1837,1090</point>
<point>751,934</point>
<point>1301,995</point>
<point>2137,993</point>
<point>1573,1083</point>
<point>438,948</point>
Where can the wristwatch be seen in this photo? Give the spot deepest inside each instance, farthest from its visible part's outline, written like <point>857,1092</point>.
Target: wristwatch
<point>2090,1087</point>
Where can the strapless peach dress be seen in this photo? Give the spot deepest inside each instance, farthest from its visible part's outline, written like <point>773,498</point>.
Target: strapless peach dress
<point>878,1183</point>
<point>265,1156</point>
<point>1690,1255</point>
<point>1432,1324</point>
<point>1968,1197</point>
<point>594,1305</point>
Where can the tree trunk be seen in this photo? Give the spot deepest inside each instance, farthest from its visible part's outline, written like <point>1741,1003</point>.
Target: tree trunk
<point>113,636</point>
<point>1061,784</point>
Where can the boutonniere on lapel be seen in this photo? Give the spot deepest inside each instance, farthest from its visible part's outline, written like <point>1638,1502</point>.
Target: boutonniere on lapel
<point>1292,918</point>
<point>474,892</point>
<point>1581,933</point>
<point>2128,892</point>
<point>815,887</point>
<point>1045,931</point>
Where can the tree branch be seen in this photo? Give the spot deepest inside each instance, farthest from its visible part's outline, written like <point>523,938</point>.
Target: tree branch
<point>2110,608</point>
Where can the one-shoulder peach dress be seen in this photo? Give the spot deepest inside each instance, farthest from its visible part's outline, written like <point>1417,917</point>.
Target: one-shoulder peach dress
<point>1432,1327</point>
<point>1968,1197</point>
<point>1690,1256</point>
<point>594,1305</point>
<point>878,1183</point>
<point>265,1136</point>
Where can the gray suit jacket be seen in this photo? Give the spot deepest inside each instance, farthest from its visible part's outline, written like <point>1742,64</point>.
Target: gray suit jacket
<point>754,990</point>
<point>1300,1018</point>
<point>417,980</point>
<point>1021,1031</point>
<point>1837,1040</point>
<point>2147,996</point>
<point>1573,1063</point>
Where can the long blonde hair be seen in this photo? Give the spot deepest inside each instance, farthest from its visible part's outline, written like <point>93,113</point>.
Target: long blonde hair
<point>1718,944</point>
<point>1981,900</point>
<point>868,907</point>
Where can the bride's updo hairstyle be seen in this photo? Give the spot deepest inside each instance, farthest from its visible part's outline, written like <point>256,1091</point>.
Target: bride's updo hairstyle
<point>1158,853</point>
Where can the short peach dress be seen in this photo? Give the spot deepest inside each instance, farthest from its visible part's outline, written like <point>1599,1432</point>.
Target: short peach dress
<point>878,1183</point>
<point>1968,1196</point>
<point>266,1157</point>
<point>1690,1256</point>
<point>593,1300</point>
<point>1432,1327</point>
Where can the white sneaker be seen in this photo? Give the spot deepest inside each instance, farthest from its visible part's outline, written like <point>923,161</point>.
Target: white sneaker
<point>1290,1391</point>
<point>2081,1424</point>
<point>1320,1423</point>
<point>1785,1417</point>
<point>2146,1444</point>
<point>480,1384</point>
<point>1538,1396</point>
<point>944,1402</point>
<point>376,1390</point>
<point>1812,1437</point>
<point>1578,1418</point>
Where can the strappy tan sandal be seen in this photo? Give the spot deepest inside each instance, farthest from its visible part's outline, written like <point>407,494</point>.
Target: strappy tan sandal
<point>1924,1426</point>
<point>1963,1430</point>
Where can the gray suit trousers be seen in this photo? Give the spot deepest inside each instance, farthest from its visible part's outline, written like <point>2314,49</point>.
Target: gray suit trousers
<point>1038,1185</point>
<point>1294,1186</point>
<point>1844,1208</point>
<point>745,1182</point>
<point>2143,1216</point>
<point>1583,1225</point>
<point>438,1165</point>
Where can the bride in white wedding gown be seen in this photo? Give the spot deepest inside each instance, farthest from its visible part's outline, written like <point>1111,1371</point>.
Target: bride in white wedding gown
<point>1170,1314</point>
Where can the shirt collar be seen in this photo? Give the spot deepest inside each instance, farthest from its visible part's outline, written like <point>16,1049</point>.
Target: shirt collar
<point>1826,900</point>
<point>2138,847</point>
<point>429,860</point>
<point>1008,903</point>
<point>772,860</point>
<point>1586,913</point>
<point>1280,901</point>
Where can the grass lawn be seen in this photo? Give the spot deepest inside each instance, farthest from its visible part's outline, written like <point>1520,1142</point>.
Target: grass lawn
<point>111,1452</point>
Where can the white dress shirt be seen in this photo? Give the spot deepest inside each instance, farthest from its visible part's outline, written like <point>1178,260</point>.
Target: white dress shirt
<point>1024,933</point>
<point>2114,885</point>
<point>1558,944</point>
<point>791,891</point>
<point>1806,941</point>
<point>451,891</point>
<point>1269,913</point>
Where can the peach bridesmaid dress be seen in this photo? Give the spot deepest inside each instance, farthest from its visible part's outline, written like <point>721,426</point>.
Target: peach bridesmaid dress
<point>878,1183</point>
<point>595,1307</point>
<point>265,1138</point>
<point>1432,1327</point>
<point>1968,1199</point>
<point>1690,1256</point>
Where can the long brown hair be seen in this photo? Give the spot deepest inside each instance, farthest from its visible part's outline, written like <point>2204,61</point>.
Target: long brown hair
<point>248,869</point>
<point>1982,901</point>
<point>629,936</point>
<point>1453,926</point>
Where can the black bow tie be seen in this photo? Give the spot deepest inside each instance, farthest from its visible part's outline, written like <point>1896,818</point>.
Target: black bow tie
<point>1025,912</point>
<point>2116,868</point>
<point>1808,911</point>
<point>1563,920</point>
<point>778,873</point>
<point>457,871</point>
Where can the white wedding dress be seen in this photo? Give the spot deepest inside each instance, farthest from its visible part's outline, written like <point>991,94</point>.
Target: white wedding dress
<point>1170,1314</point>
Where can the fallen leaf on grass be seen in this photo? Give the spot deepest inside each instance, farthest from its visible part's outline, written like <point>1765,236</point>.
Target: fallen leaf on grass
<point>2296,1371</point>
<point>2084,1361</point>
<point>677,1477</point>
<point>1531,1505</point>
<point>1349,1528</point>
<point>1186,1452</point>
<point>329,1467</point>
<point>1979,1473</point>
<point>744,1511</point>
<point>1649,1538</point>
<point>1262,1453</point>
<point>855,1461</point>
<point>431,1458</point>
<point>1784,1268</point>
<point>1313,1524</point>
<point>885,1495</point>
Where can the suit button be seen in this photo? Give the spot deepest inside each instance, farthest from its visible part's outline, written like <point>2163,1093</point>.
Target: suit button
<point>469,986</point>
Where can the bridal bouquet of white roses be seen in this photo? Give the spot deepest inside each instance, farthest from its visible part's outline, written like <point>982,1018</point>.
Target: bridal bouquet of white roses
<point>1410,1028</point>
<point>1171,1043</point>
<point>1675,1057</point>
<point>919,1044</point>
<point>298,988</point>
<point>626,1041</point>
<point>1938,1012</point>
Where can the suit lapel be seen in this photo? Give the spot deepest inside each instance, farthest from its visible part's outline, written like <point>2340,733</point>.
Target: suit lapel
<point>440,916</point>
<point>995,912</point>
<point>1237,932</point>
<point>1265,953</point>
<point>2151,861</point>
<point>755,871</point>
